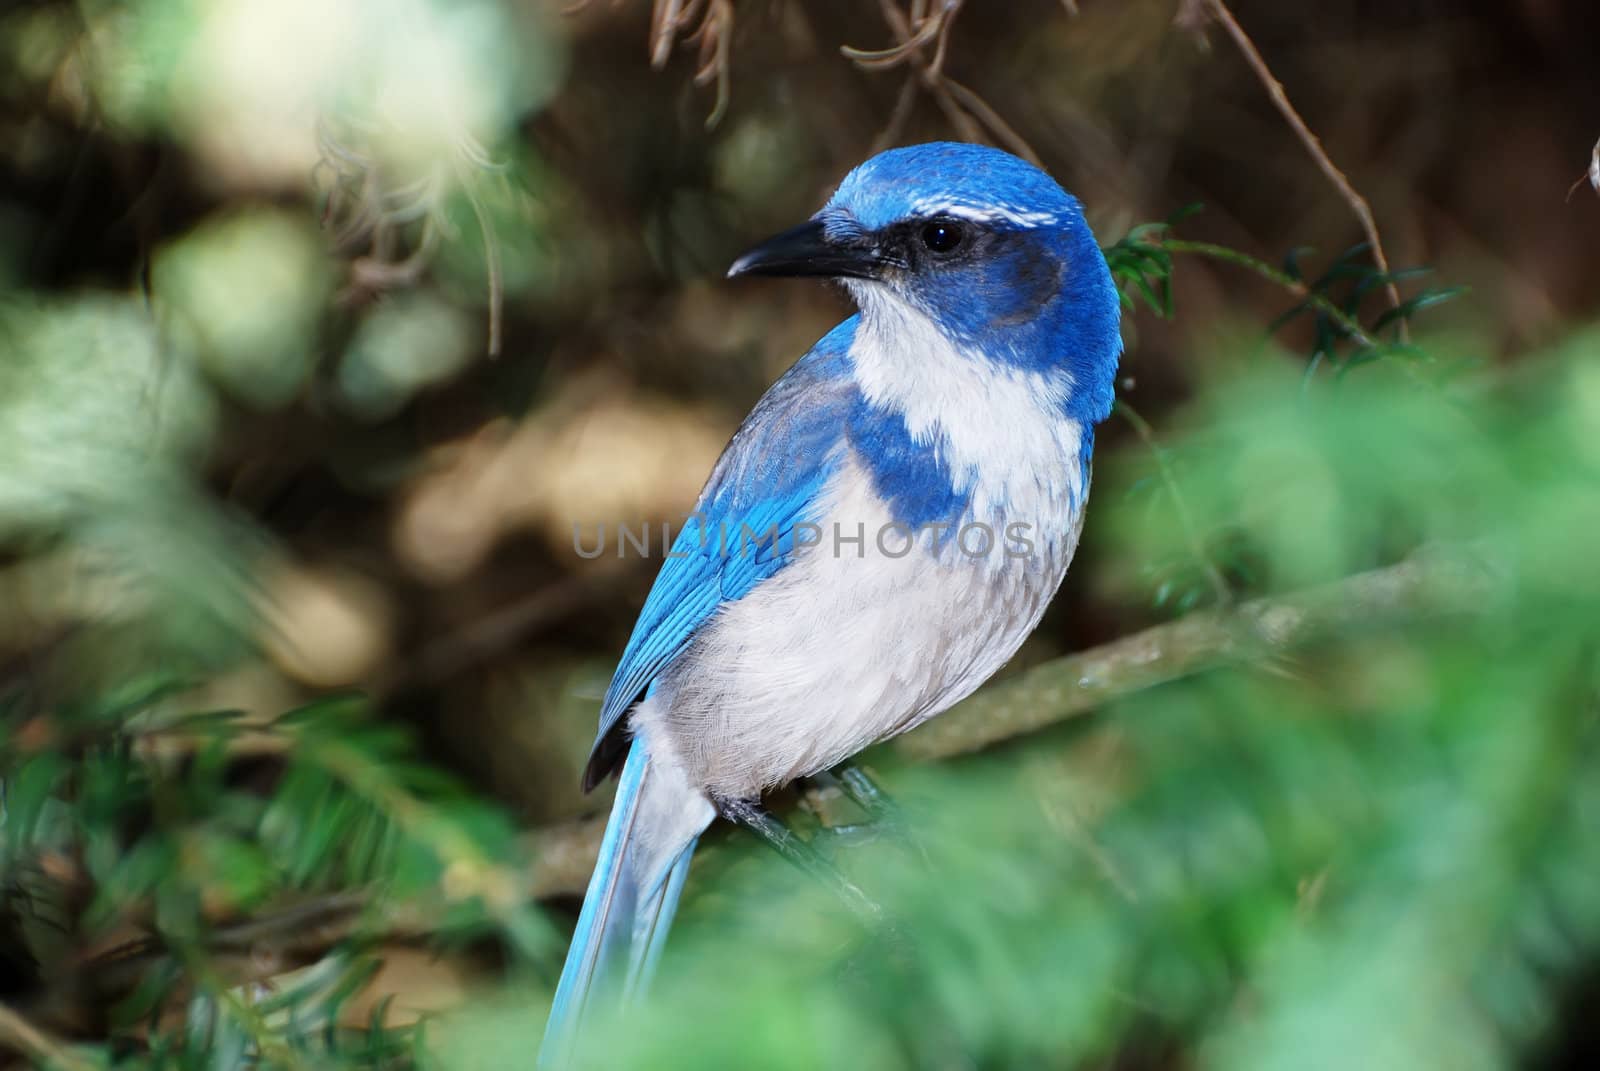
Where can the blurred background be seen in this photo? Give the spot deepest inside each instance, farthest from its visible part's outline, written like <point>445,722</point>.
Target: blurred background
<point>325,328</point>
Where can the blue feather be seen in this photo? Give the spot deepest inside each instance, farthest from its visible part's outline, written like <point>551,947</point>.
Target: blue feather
<point>605,906</point>
<point>911,476</point>
<point>771,474</point>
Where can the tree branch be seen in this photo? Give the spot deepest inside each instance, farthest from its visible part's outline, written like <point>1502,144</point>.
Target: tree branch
<point>1076,684</point>
<point>42,1050</point>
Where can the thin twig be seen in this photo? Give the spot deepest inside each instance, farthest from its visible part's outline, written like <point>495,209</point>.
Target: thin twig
<point>947,19</point>
<point>880,58</point>
<point>1358,204</point>
<point>1003,131</point>
<point>1191,534</point>
<point>1592,175</point>
<point>491,256</point>
<point>913,30</point>
<point>966,126</point>
<point>666,17</point>
<point>898,117</point>
<point>714,35</point>
<point>44,1051</point>
<point>1349,323</point>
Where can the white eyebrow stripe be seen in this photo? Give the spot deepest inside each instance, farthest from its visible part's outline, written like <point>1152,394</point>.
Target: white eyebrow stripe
<point>988,213</point>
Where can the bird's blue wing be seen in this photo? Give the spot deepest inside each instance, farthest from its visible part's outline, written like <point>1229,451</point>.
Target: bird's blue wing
<point>771,476</point>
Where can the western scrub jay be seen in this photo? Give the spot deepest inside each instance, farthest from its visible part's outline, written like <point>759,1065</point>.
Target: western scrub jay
<point>880,535</point>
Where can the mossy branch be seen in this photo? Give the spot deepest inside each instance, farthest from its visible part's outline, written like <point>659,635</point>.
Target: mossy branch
<point>1048,694</point>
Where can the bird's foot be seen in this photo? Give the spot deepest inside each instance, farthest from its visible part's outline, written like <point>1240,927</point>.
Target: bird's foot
<point>882,817</point>
<point>800,852</point>
<point>864,792</point>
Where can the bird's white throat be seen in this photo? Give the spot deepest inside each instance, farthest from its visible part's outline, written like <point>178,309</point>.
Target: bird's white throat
<point>1001,429</point>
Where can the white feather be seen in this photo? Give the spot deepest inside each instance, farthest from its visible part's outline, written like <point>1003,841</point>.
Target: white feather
<point>983,213</point>
<point>1001,428</point>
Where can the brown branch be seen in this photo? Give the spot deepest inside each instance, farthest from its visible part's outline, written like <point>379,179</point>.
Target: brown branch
<point>1078,683</point>
<point>1358,204</point>
<point>986,114</point>
<point>41,1049</point>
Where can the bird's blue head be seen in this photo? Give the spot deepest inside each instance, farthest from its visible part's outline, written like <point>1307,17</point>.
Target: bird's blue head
<point>986,247</point>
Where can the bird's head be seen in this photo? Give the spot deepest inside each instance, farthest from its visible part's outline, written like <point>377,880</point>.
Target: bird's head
<point>982,245</point>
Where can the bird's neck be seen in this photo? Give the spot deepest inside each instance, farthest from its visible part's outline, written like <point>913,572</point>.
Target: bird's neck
<point>1002,436</point>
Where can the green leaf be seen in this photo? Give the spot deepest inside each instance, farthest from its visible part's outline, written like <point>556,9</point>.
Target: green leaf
<point>1407,309</point>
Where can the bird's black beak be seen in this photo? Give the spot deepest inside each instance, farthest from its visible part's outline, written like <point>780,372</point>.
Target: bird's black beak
<point>807,250</point>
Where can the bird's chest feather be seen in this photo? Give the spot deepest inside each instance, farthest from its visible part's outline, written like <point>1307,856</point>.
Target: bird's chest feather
<point>948,433</point>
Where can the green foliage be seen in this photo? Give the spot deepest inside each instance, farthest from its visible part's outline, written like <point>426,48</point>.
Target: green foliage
<point>1213,559</point>
<point>1393,831</point>
<point>144,797</point>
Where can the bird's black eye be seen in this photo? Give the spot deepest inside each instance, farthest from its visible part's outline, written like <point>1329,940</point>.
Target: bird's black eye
<point>943,236</point>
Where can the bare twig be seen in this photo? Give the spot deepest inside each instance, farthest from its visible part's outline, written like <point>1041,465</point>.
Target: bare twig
<point>491,257</point>
<point>1320,302</point>
<point>42,1050</point>
<point>1191,535</point>
<point>895,55</point>
<point>367,207</point>
<point>947,19</point>
<point>667,18</point>
<point>898,117</point>
<point>714,35</point>
<point>1003,131</point>
<point>914,29</point>
<point>966,126</point>
<point>1591,176</point>
<point>1358,204</point>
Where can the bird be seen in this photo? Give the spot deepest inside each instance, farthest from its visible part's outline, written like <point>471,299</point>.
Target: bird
<point>879,536</point>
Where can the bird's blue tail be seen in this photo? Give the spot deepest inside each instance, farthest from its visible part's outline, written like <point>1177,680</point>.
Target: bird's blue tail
<point>624,921</point>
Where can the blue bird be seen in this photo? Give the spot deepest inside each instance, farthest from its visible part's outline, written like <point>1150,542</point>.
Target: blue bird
<point>880,535</point>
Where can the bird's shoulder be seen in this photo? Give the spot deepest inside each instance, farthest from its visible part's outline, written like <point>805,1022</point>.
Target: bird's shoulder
<point>793,433</point>
<point>768,481</point>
